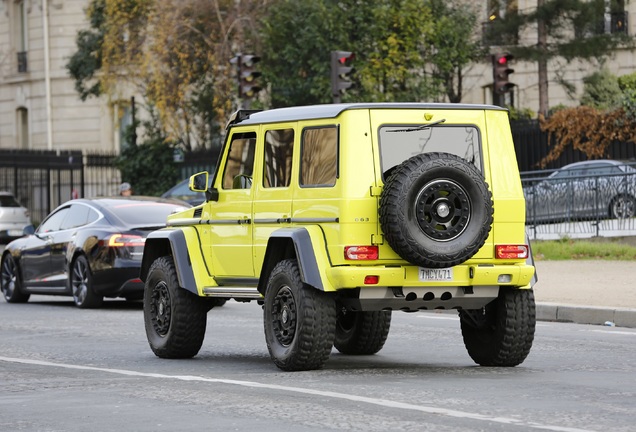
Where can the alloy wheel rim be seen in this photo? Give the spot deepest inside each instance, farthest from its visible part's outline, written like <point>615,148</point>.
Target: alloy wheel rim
<point>284,316</point>
<point>160,309</point>
<point>80,282</point>
<point>442,210</point>
<point>9,276</point>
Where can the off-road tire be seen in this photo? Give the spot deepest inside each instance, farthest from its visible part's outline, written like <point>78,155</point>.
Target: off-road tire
<point>11,282</point>
<point>361,333</point>
<point>299,320</point>
<point>81,283</point>
<point>175,318</point>
<point>436,210</point>
<point>217,302</point>
<point>501,333</point>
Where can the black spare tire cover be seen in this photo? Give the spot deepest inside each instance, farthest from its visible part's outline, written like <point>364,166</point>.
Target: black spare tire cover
<point>436,210</point>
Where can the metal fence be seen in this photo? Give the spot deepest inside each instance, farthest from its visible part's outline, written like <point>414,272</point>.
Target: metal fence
<point>532,145</point>
<point>41,180</point>
<point>570,204</point>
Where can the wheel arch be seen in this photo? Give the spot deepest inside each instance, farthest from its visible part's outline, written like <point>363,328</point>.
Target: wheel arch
<point>297,243</point>
<point>169,242</point>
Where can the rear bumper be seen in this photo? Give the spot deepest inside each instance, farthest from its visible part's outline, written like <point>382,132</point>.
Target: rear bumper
<point>400,288</point>
<point>119,282</point>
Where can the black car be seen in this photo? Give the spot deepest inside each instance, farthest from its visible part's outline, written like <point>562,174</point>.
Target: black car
<point>86,248</point>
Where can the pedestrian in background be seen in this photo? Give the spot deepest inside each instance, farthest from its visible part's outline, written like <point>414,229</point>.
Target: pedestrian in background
<point>125,189</point>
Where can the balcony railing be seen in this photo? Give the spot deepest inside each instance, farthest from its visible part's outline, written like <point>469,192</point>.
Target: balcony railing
<point>22,62</point>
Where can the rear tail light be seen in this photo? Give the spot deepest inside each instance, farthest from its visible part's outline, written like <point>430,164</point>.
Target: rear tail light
<point>512,251</point>
<point>361,253</point>
<point>126,240</point>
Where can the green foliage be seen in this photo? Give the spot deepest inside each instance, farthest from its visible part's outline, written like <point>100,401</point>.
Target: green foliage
<point>572,31</point>
<point>521,113</point>
<point>149,167</point>
<point>452,44</point>
<point>87,60</point>
<point>627,84</point>
<point>601,90</point>
<point>406,50</point>
<point>568,249</point>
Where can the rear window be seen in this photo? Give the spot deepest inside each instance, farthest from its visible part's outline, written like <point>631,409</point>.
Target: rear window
<point>399,143</point>
<point>144,213</point>
<point>8,201</point>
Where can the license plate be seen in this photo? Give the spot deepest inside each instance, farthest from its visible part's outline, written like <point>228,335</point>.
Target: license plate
<point>15,233</point>
<point>428,275</point>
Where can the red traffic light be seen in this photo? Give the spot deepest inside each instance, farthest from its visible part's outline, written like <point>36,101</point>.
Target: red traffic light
<point>504,59</point>
<point>345,56</point>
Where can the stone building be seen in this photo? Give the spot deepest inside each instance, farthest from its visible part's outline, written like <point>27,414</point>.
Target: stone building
<point>40,109</point>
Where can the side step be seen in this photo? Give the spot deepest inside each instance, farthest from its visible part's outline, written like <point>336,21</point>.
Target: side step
<point>250,293</point>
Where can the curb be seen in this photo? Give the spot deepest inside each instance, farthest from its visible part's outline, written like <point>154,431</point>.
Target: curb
<point>620,317</point>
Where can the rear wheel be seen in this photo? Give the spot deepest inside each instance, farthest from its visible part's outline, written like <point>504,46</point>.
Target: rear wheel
<point>501,333</point>
<point>361,333</point>
<point>81,280</point>
<point>175,319</point>
<point>10,281</point>
<point>299,320</point>
<point>622,207</point>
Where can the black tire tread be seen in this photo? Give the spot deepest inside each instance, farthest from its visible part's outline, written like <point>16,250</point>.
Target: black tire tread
<point>367,336</point>
<point>509,340</point>
<point>315,327</point>
<point>188,315</point>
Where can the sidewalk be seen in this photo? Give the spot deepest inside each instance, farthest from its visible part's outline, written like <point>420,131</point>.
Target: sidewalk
<point>587,292</point>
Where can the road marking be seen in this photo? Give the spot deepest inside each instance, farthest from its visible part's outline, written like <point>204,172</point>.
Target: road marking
<point>334,395</point>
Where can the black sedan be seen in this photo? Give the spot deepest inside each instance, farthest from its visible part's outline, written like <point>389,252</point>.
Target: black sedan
<point>86,248</point>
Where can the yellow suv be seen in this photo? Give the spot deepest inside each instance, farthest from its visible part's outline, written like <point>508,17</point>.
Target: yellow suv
<point>333,216</point>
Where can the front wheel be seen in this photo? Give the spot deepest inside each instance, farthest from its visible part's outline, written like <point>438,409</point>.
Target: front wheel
<point>175,319</point>
<point>10,281</point>
<point>299,320</point>
<point>81,280</point>
<point>501,333</point>
<point>362,333</point>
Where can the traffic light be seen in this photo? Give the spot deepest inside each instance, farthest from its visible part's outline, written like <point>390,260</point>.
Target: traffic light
<point>246,75</point>
<point>501,71</point>
<point>340,70</point>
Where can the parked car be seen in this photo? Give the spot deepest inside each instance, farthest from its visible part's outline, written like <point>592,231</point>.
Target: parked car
<point>583,190</point>
<point>14,218</point>
<point>181,191</point>
<point>86,248</point>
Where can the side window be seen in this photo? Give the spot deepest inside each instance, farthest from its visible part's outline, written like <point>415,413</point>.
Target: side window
<point>279,147</point>
<point>319,156</point>
<point>53,222</point>
<point>76,217</point>
<point>239,165</point>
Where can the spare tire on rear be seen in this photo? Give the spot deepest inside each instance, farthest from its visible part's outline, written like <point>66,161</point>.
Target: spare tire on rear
<point>436,210</point>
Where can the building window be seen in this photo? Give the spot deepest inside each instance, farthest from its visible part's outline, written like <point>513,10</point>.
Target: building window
<point>20,34</point>
<point>22,123</point>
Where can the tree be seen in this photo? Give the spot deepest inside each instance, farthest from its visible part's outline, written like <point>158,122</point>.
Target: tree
<point>405,50</point>
<point>173,53</point>
<point>569,30</point>
<point>601,91</point>
<point>452,44</point>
